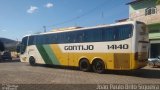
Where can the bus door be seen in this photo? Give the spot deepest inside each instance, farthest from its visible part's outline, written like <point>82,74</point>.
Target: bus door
<point>23,50</point>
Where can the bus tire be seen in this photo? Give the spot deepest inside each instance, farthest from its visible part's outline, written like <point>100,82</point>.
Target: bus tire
<point>32,61</point>
<point>84,65</point>
<point>98,66</point>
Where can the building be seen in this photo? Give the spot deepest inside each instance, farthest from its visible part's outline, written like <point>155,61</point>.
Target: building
<point>148,11</point>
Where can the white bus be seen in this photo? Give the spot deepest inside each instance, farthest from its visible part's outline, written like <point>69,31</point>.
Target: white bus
<point>119,46</point>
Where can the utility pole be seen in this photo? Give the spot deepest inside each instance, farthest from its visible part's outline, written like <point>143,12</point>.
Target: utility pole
<point>44,27</point>
<point>102,16</point>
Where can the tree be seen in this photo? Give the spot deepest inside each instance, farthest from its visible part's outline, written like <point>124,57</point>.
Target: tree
<point>1,46</point>
<point>158,2</point>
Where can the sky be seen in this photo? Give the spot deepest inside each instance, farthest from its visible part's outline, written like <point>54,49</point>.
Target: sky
<point>21,17</point>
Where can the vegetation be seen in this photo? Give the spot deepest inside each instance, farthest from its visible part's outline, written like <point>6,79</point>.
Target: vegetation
<point>1,46</point>
<point>8,44</point>
<point>158,1</point>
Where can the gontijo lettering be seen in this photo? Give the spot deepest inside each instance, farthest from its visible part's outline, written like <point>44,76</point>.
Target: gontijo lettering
<point>79,47</point>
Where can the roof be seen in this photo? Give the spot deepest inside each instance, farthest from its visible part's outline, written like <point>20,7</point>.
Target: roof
<point>134,1</point>
<point>67,28</point>
<point>122,20</point>
<point>84,28</point>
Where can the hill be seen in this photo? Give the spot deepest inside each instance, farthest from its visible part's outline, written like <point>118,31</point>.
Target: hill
<point>9,44</point>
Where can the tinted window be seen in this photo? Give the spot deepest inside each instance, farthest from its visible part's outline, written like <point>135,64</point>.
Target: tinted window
<point>24,41</point>
<point>96,35</point>
<point>123,32</point>
<point>114,33</point>
<point>117,33</point>
<point>31,40</point>
<point>92,35</point>
<point>48,38</point>
<point>40,39</point>
<point>24,44</point>
<point>108,34</point>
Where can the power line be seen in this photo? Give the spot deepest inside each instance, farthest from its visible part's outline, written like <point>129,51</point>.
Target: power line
<point>80,16</point>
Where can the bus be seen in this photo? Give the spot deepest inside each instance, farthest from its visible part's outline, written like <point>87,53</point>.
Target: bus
<point>118,46</point>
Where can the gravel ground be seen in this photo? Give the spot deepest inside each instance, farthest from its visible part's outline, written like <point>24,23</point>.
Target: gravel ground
<point>17,73</point>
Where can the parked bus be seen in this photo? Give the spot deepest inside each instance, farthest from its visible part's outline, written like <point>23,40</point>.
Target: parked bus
<point>119,46</point>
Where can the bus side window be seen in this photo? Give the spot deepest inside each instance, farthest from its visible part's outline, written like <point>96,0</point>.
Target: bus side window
<point>108,34</point>
<point>34,40</point>
<point>46,39</point>
<point>59,38</point>
<point>49,37</point>
<point>123,32</point>
<point>72,37</point>
<point>83,37</point>
<point>55,38</point>
<point>38,39</point>
<point>75,37</point>
<point>79,36</point>
<point>64,37</point>
<point>96,35</point>
<point>31,40</point>
<point>86,36</point>
<point>69,37</point>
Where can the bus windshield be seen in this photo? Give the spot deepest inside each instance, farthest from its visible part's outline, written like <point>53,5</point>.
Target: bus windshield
<point>23,44</point>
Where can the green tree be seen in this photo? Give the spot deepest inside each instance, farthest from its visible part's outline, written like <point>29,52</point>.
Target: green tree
<point>1,46</point>
<point>158,2</point>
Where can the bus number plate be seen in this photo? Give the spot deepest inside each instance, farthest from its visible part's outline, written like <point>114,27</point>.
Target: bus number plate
<point>121,46</point>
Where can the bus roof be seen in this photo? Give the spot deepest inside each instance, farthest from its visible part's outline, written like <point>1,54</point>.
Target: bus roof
<point>84,28</point>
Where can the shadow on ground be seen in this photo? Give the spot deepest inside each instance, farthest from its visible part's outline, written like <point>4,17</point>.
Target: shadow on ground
<point>10,61</point>
<point>143,73</point>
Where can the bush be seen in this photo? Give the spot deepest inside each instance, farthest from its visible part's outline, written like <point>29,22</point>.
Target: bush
<point>1,46</point>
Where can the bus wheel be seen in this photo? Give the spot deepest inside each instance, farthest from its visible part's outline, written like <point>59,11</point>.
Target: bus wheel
<point>98,66</point>
<point>84,65</point>
<point>32,61</point>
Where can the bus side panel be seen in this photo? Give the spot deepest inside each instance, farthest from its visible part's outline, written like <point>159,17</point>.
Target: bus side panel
<point>62,58</point>
<point>45,55</point>
<point>33,51</point>
<point>54,52</point>
<point>122,61</point>
<point>72,59</point>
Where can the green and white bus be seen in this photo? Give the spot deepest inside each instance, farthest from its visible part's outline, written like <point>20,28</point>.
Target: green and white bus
<point>119,46</point>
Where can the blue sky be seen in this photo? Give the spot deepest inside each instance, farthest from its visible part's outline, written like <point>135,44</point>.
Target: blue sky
<point>22,17</point>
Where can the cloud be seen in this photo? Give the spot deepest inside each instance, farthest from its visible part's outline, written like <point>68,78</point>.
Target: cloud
<point>3,30</point>
<point>49,5</point>
<point>32,9</point>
